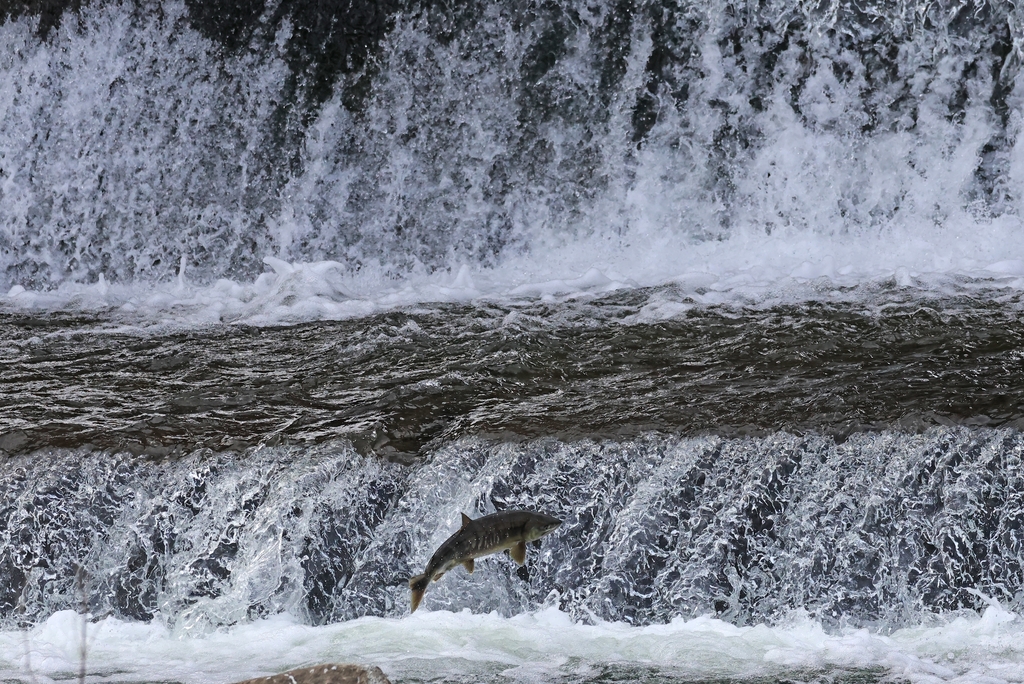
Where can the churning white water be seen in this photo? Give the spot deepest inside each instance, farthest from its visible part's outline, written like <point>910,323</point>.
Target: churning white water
<point>136,157</point>
<point>541,646</point>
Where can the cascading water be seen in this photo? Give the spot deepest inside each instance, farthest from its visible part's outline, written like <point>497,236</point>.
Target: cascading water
<point>878,530</point>
<point>137,136</point>
<point>733,289</point>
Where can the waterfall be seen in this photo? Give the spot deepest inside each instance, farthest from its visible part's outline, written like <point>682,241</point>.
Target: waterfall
<point>407,139</point>
<point>880,530</point>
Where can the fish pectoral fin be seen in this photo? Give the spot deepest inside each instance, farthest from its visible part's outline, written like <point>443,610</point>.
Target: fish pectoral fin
<point>438,576</point>
<point>518,552</point>
<point>468,564</point>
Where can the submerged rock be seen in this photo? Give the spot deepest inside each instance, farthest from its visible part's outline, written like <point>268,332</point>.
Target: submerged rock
<point>325,674</point>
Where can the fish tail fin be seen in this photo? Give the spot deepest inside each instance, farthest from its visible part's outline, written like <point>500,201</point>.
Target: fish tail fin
<point>418,585</point>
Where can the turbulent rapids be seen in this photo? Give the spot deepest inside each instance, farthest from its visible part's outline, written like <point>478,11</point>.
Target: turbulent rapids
<point>878,530</point>
<point>732,289</point>
<point>146,139</point>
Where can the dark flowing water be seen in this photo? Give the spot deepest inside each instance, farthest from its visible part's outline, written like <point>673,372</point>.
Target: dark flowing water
<point>400,383</point>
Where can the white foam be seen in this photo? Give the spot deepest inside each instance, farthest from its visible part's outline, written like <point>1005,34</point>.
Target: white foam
<point>747,270</point>
<point>541,646</point>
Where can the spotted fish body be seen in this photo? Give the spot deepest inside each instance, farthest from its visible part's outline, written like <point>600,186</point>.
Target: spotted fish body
<point>506,531</point>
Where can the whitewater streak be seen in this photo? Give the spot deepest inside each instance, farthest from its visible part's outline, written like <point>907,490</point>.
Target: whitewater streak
<point>544,645</point>
<point>756,272</point>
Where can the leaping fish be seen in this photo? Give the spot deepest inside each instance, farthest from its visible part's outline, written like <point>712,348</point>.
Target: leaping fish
<point>505,531</point>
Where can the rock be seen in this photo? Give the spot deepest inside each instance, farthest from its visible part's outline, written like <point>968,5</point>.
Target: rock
<point>330,673</point>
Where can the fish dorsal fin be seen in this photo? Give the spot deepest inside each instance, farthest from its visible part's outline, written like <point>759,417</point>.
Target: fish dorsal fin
<point>466,520</point>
